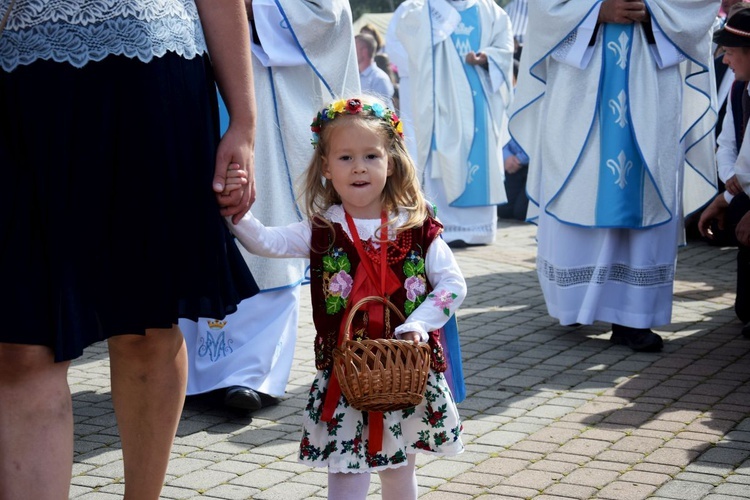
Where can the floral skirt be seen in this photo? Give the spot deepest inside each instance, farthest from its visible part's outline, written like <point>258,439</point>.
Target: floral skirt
<point>431,427</point>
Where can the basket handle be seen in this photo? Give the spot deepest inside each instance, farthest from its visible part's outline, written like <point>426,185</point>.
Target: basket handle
<point>363,301</point>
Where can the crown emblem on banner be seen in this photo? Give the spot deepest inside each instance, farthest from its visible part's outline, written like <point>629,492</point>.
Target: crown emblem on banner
<point>216,324</point>
<point>463,30</point>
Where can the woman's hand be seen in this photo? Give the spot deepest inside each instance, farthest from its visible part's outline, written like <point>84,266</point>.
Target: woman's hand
<point>235,151</point>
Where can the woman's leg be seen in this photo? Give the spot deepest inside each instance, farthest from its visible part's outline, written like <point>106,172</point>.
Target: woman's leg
<point>36,424</point>
<point>400,483</point>
<point>149,376</point>
<point>348,485</point>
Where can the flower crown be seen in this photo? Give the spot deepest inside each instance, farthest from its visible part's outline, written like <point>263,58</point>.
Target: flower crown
<point>354,107</point>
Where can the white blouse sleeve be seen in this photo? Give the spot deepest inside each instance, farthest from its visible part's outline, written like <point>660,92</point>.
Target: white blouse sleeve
<point>447,295</point>
<point>282,241</point>
<point>726,154</point>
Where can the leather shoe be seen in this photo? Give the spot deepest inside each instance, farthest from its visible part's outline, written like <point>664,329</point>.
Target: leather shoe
<point>746,330</point>
<point>242,398</point>
<point>638,339</point>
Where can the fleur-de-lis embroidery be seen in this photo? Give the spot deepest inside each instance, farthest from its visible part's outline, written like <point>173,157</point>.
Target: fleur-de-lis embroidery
<point>473,169</point>
<point>620,168</point>
<point>620,109</point>
<point>621,50</point>
<point>214,348</point>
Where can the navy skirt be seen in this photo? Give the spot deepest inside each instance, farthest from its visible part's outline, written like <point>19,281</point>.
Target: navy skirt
<point>108,222</point>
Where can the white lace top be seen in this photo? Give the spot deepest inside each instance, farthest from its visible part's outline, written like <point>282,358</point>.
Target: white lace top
<point>80,31</point>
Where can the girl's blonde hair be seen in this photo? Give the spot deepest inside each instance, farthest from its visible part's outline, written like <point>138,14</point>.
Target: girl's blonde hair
<point>402,189</point>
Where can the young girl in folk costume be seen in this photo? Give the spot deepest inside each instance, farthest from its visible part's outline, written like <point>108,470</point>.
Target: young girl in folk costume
<point>370,233</point>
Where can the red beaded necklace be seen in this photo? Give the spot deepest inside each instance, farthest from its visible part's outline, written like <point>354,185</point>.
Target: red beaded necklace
<point>396,251</point>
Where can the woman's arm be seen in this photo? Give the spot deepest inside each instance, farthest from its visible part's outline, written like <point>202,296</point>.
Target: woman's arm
<point>228,40</point>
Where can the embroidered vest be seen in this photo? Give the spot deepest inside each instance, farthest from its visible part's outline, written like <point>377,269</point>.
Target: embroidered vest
<point>333,264</point>
<point>740,111</point>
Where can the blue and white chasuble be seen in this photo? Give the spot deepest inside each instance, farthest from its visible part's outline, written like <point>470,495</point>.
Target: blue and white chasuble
<point>459,110</point>
<point>611,177</point>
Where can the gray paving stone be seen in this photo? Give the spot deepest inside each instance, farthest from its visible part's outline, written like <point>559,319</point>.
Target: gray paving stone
<point>622,490</point>
<point>288,491</point>
<point>202,479</point>
<point>725,455</point>
<point>733,489</point>
<point>501,438</point>
<point>684,490</point>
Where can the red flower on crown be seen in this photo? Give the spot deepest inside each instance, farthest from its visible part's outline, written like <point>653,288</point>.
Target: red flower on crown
<point>317,124</point>
<point>353,106</point>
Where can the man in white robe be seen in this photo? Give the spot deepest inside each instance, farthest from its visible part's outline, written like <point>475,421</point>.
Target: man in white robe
<point>303,57</point>
<point>460,73</point>
<point>615,106</point>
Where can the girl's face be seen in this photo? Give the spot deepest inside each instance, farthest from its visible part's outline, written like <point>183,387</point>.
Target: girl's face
<point>358,165</point>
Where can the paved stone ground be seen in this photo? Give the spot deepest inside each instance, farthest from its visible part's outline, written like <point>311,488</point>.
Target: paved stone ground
<point>552,412</point>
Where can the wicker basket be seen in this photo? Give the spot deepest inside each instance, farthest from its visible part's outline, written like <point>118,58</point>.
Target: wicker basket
<point>380,374</point>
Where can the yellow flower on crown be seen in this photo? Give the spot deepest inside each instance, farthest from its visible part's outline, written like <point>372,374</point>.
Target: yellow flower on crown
<point>337,107</point>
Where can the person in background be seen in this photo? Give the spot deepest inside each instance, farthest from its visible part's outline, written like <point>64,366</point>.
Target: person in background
<point>518,11</point>
<point>516,170</point>
<point>246,359</point>
<point>114,140</point>
<point>384,63</point>
<point>369,233</point>
<point>370,29</point>
<point>372,78</point>
<point>730,210</point>
<point>516,164</point>
<point>460,67</point>
<point>724,74</point>
<point>611,178</point>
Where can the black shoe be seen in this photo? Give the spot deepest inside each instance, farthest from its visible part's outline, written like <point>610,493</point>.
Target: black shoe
<point>746,330</point>
<point>457,244</point>
<point>638,339</point>
<point>242,398</point>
